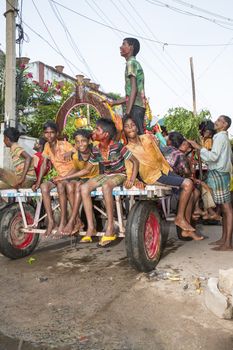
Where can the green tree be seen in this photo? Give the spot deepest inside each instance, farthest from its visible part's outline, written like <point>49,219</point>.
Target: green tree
<point>184,121</point>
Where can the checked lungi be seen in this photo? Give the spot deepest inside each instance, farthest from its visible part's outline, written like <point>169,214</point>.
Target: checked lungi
<point>219,183</point>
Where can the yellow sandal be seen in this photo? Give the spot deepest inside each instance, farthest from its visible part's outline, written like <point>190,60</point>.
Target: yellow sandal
<point>86,239</point>
<point>106,240</point>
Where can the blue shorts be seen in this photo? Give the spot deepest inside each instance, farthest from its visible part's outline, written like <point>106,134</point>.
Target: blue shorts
<point>171,179</point>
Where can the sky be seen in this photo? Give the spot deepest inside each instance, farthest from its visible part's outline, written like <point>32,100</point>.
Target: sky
<point>86,36</point>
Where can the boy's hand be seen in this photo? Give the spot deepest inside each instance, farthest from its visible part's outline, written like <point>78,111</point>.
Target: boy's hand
<point>128,184</point>
<point>194,144</point>
<point>68,155</point>
<point>19,183</point>
<point>140,185</point>
<point>56,179</point>
<point>35,187</point>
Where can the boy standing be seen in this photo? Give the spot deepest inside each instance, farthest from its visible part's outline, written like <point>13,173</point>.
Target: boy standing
<point>134,84</point>
<point>110,156</point>
<point>24,175</point>
<point>54,151</point>
<point>218,160</point>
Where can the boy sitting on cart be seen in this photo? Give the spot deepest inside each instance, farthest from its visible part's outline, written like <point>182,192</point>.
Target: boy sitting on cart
<point>54,151</point>
<point>80,159</point>
<point>153,167</point>
<point>110,155</point>
<point>24,175</point>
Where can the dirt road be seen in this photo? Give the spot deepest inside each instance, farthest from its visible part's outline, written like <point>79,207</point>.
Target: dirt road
<point>85,297</point>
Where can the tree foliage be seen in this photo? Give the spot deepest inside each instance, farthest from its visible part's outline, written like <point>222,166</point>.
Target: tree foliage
<point>184,121</point>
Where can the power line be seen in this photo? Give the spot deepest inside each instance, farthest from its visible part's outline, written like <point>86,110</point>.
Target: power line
<point>58,49</point>
<point>203,10</point>
<point>150,31</point>
<point>163,44</point>
<point>103,16</point>
<point>71,40</point>
<point>146,62</point>
<point>187,13</point>
<point>52,47</point>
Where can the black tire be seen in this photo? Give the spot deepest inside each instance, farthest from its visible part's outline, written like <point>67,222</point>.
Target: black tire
<point>14,244</point>
<point>144,252</point>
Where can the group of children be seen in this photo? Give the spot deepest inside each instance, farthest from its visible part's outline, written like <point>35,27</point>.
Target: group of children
<point>84,167</point>
<point>98,160</point>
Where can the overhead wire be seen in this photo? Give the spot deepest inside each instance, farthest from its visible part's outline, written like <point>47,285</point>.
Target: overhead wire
<point>52,47</point>
<point>164,54</point>
<point>72,42</point>
<point>163,44</point>
<point>52,38</point>
<point>143,58</point>
<point>102,16</point>
<point>187,13</point>
<point>203,10</point>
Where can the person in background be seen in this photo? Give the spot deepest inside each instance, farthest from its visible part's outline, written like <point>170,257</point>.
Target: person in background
<point>38,157</point>
<point>207,138</point>
<point>218,177</point>
<point>24,175</point>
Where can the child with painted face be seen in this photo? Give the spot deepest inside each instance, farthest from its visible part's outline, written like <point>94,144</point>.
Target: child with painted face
<point>110,156</point>
<point>54,151</point>
<point>153,168</point>
<point>80,159</point>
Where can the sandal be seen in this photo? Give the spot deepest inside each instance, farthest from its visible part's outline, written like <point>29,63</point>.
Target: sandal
<point>106,240</point>
<point>86,239</point>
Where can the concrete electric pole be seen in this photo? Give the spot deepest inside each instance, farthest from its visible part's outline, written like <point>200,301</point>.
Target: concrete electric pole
<point>10,79</point>
<point>193,87</point>
<point>10,87</point>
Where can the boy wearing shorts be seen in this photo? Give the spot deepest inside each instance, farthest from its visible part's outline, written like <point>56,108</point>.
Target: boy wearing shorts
<point>110,156</point>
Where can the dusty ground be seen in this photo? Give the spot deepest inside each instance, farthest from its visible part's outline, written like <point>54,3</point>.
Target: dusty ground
<point>85,297</point>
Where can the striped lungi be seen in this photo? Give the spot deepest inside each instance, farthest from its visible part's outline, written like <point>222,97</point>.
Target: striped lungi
<point>219,183</point>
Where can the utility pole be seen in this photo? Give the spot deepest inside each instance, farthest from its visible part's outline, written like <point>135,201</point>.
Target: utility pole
<point>193,87</point>
<point>10,78</point>
<point>195,113</point>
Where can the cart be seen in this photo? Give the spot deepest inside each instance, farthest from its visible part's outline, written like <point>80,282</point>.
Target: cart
<point>141,218</point>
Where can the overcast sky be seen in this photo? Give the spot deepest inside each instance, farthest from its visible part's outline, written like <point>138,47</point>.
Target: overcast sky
<point>93,48</point>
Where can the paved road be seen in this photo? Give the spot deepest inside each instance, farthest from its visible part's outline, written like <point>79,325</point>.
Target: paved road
<point>85,297</point>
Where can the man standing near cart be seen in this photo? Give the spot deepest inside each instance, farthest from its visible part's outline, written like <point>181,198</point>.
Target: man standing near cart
<point>218,160</point>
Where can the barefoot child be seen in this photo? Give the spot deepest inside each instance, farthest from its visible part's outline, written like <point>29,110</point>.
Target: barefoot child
<point>80,159</point>
<point>218,160</point>
<point>110,155</point>
<point>153,167</point>
<point>54,151</point>
<point>24,175</point>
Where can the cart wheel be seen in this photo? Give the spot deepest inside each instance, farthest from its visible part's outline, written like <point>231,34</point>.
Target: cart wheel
<point>15,244</point>
<point>143,237</point>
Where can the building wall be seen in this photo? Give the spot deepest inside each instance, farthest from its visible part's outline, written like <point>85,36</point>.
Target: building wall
<point>41,72</point>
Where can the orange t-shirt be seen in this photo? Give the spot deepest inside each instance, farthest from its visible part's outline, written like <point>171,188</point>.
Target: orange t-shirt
<point>62,166</point>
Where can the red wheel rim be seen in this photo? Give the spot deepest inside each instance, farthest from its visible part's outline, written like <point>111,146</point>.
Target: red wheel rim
<point>152,236</point>
<point>20,239</point>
